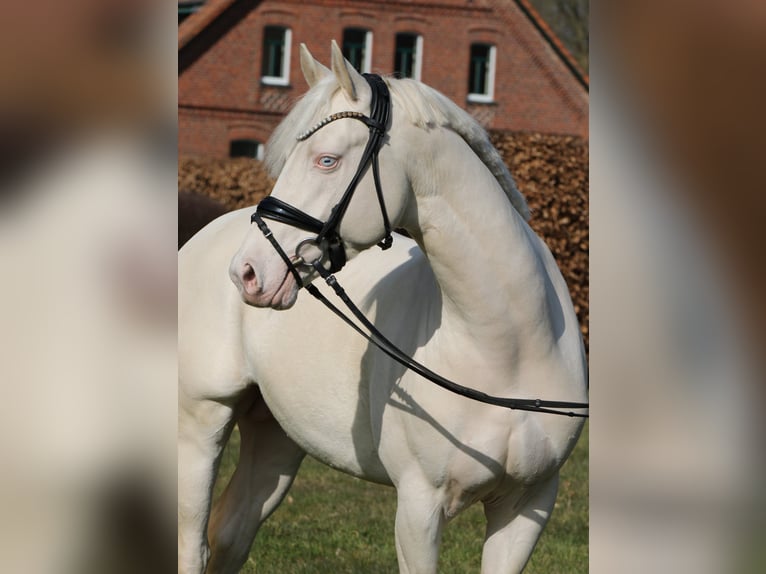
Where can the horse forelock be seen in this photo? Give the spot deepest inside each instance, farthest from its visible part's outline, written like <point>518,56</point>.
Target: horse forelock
<point>426,108</point>
<point>304,114</point>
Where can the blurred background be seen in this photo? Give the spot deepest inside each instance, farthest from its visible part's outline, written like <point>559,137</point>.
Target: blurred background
<point>677,311</point>
<point>88,290</point>
<point>89,174</point>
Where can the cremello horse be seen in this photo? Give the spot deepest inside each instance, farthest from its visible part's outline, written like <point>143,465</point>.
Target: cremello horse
<point>476,296</point>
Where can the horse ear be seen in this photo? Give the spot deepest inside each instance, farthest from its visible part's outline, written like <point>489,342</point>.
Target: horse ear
<point>313,71</point>
<point>349,79</point>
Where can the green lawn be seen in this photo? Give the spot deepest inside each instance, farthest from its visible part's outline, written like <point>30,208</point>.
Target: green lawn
<point>333,523</point>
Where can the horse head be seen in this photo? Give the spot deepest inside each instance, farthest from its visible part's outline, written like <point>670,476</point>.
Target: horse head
<point>326,205</point>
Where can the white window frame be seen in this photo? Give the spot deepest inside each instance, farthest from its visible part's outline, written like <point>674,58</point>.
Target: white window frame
<point>367,65</point>
<point>418,57</point>
<point>284,78</point>
<point>489,96</point>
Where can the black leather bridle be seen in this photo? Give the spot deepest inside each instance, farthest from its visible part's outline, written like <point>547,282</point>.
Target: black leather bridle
<point>328,237</point>
<point>329,241</point>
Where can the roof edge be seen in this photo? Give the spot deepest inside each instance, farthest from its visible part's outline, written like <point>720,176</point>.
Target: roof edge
<point>211,10</point>
<point>555,42</point>
<point>201,19</point>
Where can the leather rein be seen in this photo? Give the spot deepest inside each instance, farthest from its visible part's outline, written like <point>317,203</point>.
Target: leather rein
<point>330,243</point>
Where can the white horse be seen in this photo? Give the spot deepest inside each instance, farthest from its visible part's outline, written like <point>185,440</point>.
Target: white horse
<point>476,296</point>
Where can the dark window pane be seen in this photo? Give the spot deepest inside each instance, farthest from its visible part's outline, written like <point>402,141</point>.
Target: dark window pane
<point>273,51</point>
<point>404,58</point>
<point>243,148</point>
<point>354,46</point>
<point>478,76</point>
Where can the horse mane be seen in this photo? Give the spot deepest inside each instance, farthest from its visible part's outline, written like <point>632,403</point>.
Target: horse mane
<point>426,108</point>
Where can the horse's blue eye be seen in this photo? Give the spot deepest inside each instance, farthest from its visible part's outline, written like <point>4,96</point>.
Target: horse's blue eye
<point>327,161</point>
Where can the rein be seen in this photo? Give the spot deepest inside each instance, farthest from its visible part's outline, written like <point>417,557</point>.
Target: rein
<point>329,241</point>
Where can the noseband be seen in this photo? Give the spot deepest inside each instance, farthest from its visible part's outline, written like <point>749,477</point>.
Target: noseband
<point>329,241</point>
<point>328,238</point>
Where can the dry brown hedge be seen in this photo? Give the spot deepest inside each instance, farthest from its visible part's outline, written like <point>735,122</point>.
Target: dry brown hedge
<point>236,183</point>
<point>551,171</point>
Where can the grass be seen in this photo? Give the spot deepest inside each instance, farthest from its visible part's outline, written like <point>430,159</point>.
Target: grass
<point>334,523</point>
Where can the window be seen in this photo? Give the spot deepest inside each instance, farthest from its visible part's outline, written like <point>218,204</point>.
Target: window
<point>357,48</point>
<point>186,8</point>
<point>481,76</point>
<point>275,64</point>
<point>246,148</point>
<point>408,55</point>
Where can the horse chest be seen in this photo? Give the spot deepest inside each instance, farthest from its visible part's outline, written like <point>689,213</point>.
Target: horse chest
<point>316,390</point>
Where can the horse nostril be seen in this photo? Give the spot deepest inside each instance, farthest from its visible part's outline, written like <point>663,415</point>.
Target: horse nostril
<point>249,274</point>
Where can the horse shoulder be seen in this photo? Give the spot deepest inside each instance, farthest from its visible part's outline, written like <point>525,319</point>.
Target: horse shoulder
<point>211,360</point>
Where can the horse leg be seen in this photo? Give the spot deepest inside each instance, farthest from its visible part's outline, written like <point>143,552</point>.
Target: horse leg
<point>419,522</point>
<point>268,463</point>
<point>514,526</point>
<point>203,429</point>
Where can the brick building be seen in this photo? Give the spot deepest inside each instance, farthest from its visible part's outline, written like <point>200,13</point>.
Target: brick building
<point>239,68</point>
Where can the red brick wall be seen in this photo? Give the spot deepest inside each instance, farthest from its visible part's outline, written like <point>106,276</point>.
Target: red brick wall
<point>221,97</point>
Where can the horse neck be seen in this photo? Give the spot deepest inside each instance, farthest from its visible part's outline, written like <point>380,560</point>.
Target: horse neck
<point>481,250</point>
